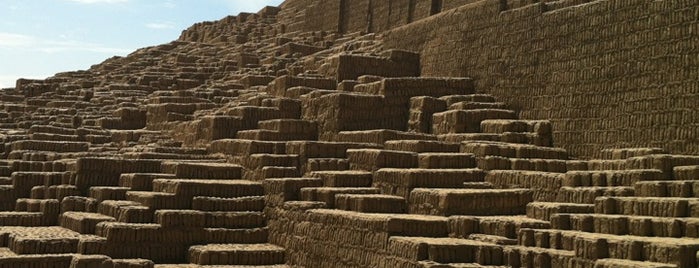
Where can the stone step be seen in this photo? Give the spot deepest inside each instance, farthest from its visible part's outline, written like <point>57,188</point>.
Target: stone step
<point>210,171</point>
<point>474,105</point>
<point>479,202</point>
<point>370,203</point>
<point>23,182</point>
<point>54,192</point>
<point>279,190</point>
<point>401,182</point>
<point>327,194</point>
<point>454,99</point>
<point>592,246</point>
<point>140,233</point>
<point>374,159</point>
<point>347,178</point>
<point>380,136</point>
<point>627,225</point>
<point>502,226</point>
<point>544,210</point>
<point>541,127</point>
<point>685,173</point>
<point>82,222</point>
<point>618,263</point>
<point>271,135</point>
<point>17,218</point>
<point>289,126</point>
<point>126,211</point>
<point>216,188</point>
<point>446,160</point>
<point>101,193</point>
<point>587,195</point>
<point>531,164</point>
<point>245,147</point>
<point>236,254</point>
<point>325,164</point>
<point>325,149</point>
<point>681,188</point>
<point>507,137</point>
<point>141,181</point>
<point>624,153</point>
<point>612,178</point>
<point>257,161</point>
<point>445,250</point>
<point>158,200</point>
<point>51,146</point>
<point>512,150</point>
<point>466,121</point>
<point>422,146</point>
<point>79,203</point>
<point>249,203</point>
<point>648,206</point>
<point>203,219</point>
<point>519,256</point>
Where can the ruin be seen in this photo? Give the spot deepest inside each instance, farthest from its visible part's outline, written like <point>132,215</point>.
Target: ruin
<point>369,133</point>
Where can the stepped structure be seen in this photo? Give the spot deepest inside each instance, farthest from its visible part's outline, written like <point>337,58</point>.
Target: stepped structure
<point>338,133</point>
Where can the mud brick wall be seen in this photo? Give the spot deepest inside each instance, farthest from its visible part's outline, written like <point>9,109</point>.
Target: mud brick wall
<point>609,73</point>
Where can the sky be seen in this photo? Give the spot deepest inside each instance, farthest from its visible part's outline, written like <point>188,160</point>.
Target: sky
<point>39,38</point>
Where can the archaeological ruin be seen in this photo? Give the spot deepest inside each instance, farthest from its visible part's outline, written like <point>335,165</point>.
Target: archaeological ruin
<point>369,133</point>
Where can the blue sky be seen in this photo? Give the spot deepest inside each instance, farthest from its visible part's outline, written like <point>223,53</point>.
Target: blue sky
<point>41,37</point>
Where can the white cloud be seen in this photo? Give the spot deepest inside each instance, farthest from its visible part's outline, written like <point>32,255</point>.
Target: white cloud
<point>99,1</point>
<point>31,43</point>
<point>161,25</point>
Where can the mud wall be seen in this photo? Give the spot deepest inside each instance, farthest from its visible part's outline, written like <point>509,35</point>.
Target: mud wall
<point>608,73</point>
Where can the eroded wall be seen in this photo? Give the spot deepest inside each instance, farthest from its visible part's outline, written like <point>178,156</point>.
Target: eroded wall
<point>609,73</point>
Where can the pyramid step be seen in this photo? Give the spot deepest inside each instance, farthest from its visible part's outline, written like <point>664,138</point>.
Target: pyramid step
<point>236,254</point>
<point>612,177</point>
<point>202,219</point>
<point>503,226</point>
<point>528,164</point>
<point>680,188</point>
<point>82,222</point>
<point>627,225</point>
<point>648,206</point>
<point>126,211</point>
<point>348,178</point>
<point>327,194</point>
<point>158,200</point>
<point>273,135</point>
<point>141,181</point>
<point>249,203</point>
<point>618,263</point>
<point>289,126</point>
<point>592,246</point>
<point>324,149</point>
<point>512,150</point>
<point>401,182</point>
<point>473,105</point>
<point>541,127</point>
<point>466,121</point>
<point>280,190</point>
<point>217,188</point>
<point>101,193</point>
<point>257,161</point>
<point>16,218</point>
<point>481,202</point>
<point>380,136</point>
<point>370,203</point>
<point>453,99</point>
<point>422,146</point>
<point>507,137</point>
<point>587,195</point>
<point>374,159</point>
<point>326,164</point>
<point>211,171</point>
<point>445,250</point>
<point>519,256</point>
<point>245,147</point>
<point>624,153</point>
<point>54,192</point>
<point>544,210</point>
<point>446,160</point>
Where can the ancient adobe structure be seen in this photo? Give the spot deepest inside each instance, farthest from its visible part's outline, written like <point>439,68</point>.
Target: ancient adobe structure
<point>369,133</point>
